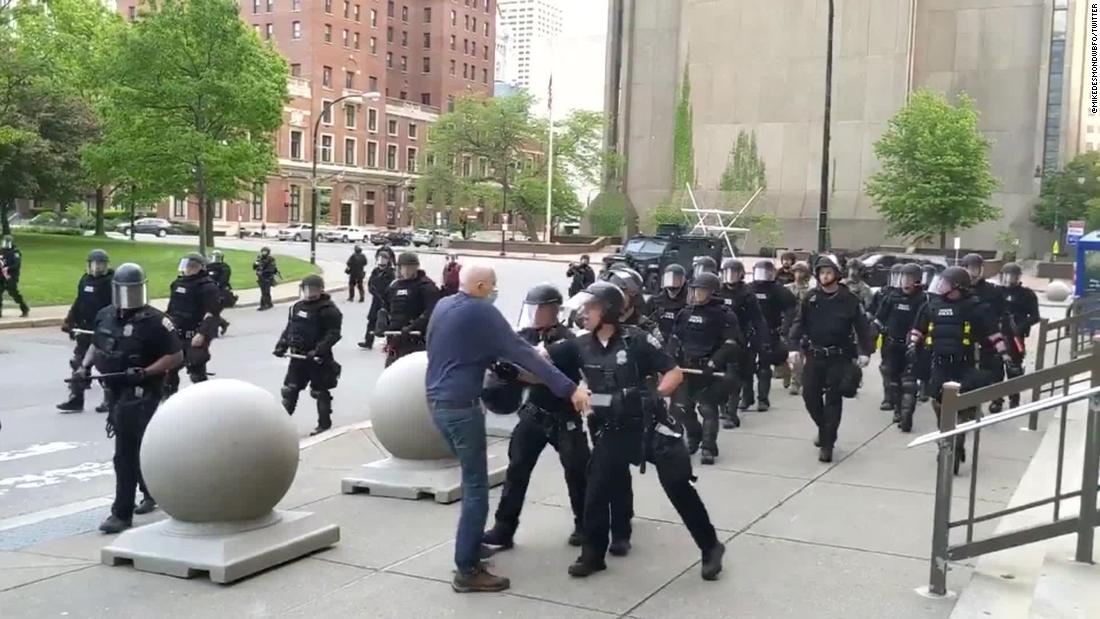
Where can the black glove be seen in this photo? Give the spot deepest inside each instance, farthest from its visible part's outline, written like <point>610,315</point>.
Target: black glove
<point>911,354</point>
<point>66,328</point>
<point>279,352</point>
<point>709,369</point>
<point>134,376</point>
<point>406,330</point>
<point>505,371</point>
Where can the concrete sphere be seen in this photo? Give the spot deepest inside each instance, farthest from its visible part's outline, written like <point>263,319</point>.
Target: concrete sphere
<point>399,412</point>
<point>220,450</point>
<point>1058,291</point>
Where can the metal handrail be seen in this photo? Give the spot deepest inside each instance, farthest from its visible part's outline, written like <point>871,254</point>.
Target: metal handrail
<point>1012,413</point>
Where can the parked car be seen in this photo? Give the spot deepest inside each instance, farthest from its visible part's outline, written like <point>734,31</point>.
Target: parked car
<point>296,232</point>
<point>344,234</point>
<point>150,225</point>
<point>877,265</point>
<point>391,237</point>
<point>431,238</point>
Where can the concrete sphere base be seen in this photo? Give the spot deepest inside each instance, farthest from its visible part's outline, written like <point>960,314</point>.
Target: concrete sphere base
<point>1058,291</point>
<point>399,412</point>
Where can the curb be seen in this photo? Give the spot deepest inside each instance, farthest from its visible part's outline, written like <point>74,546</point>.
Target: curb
<point>460,253</point>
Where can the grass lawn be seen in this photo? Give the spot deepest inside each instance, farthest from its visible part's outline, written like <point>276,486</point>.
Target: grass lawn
<point>52,265</point>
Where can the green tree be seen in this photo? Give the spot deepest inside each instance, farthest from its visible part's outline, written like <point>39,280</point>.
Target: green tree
<point>1066,193</point>
<point>607,212</point>
<point>194,102</point>
<point>683,146</point>
<point>745,169</point>
<point>935,175</point>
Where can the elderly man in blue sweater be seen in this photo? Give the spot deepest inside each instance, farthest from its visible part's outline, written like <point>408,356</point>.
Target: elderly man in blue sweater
<point>466,335</point>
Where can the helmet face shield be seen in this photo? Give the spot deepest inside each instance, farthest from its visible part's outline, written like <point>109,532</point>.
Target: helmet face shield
<point>975,271</point>
<point>408,271</point>
<point>699,296</point>
<point>671,279</point>
<point>1010,278</point>
<point>537,316</point>
<point>97,268</point>
<point>763,273</point>
<point>895,280</point>
<point>732,276</point>
<point>908,281</point>
<point>939,286</point>
<point>129,296</point>
<point>311,292</point>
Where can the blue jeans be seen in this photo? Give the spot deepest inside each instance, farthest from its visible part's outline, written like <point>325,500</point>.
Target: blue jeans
<point>464,431</point>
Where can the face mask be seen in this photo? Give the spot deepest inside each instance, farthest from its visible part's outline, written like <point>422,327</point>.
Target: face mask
<point>492,296</point>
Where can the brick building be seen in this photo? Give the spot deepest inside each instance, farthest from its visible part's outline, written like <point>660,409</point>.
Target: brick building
<point>418,55</point>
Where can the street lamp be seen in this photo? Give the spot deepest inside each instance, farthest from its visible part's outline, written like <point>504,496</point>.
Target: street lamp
<point>326,108</point>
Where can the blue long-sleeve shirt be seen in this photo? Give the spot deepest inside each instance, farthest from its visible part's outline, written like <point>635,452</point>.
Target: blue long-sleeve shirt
<point>465,336</point>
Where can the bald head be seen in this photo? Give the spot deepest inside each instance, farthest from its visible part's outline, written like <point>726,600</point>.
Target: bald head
<point>477,280</point>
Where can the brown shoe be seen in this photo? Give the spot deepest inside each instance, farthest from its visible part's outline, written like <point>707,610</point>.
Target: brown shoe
<point>479,581</point>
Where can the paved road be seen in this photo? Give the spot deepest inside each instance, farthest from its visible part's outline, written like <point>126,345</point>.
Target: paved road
<point>47,459</point>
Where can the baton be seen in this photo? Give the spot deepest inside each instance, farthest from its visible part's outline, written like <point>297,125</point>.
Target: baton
<point>82,331</point>
<point>295,355</point>
<point>97,377</point>
<point>700,372</point>
<point>389,333</point>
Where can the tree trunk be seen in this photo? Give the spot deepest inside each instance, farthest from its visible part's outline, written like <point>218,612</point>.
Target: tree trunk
<point>5,208</point>
<point>943,238</point>
<point>200,186</point>
<point>100,204</point>
<point>208,225</point>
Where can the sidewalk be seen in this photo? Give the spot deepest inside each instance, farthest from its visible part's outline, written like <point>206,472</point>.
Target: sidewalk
<point>804,539</point>
<point>54,315</point>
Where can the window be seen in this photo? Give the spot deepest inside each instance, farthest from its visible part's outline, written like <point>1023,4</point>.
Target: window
<point>355,40</point>
<point>373,45</point>
<point>391,127</point>
<point>466,19</point>
<point>452,66</point>
<point>296,30</point>
<point>412,131</point>
<point>373,18</point>
<point>328,33</point>
<point>389,8</point>
<point>426,98</point>
<point>404,95</point>
<point>391,157</point>
<point>296,70</point>
<point>372,120</point>
<point>454,18</point>
<point>347,9</point>
<point>474,27</point>
<point>427,15</point>
<point>485,76</point>
<point>389,34</point>
<point>485,53</point>
<point>345,38</point>
<point>487,6</point>
<point>350,112</point>
<point>349,79</point>
<point>295,203</point>
<point>466,168</point>
<point>453,42</point>
<point>219,209</point>
<point>404,38</point>
<point>326,148</point>
<point>391,194</point>
<point>410,160</point>
<point>131,13</point>
<point>179,207</point>
<point>349,151</point>
<point>427,40</point>
<point>255,8</point>
<point>404,13</point>
<point>372,154</point>
<point>404,63</point>
<point>328,6</point>
<point>465,46</point>
<point>326,77</point>
<point>369,203</point>
<point>389,60</point>
<point>427,68</point>
<point>465,70</point>
<point>269,31</point>
<point>296,5</point>
<point>257,201</point>
<point>486,27</point>
<point>372,83</point>
<point>296,144</point>
<point>270,6</point>
<point>326,112</point>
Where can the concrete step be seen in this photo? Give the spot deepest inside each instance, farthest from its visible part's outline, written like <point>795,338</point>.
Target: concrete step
<point>1066,589</point>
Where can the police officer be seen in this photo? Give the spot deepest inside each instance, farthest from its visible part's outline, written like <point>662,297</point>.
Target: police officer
<point>894,319</point>
<point>379,282</point>
<point>93,293</point>
<point>356,271</point>
<point>194,306</point>
<point>737,295</point>
<point>857,285</point>
<point>950,324</point>
<point>312,329</point>
<point>989,360</point>
<point>636,313</point>
<point>1022,312</point>
<point>582,275</point>
<point>703,264</point>
<point>222,274</point>
<point>11,263</point>
<point>784,275</point>
<point>800,288</point>
<point>266,271</point>
<point>708,334</point>
<point>778,306</point>
<point>617,361</point>
<point>133,348</point>
<point>410,300</point>
<point>544,419</point>
<point>672,298</point>
<point>823,329</point>
<point>893,284</point>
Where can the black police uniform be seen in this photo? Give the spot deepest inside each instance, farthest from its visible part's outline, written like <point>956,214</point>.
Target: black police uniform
<point>93,293</point>
<point>1022,312</point>
<point>740,298</point>
<point>11,265</point>
<point>896,315</point>
<point>620,369</point>
<point>195,308</point>
<point>222,274</point>
<point>823,329</point>
<point>312,329</point>
<point>544,419</point>
<point>379,281</point>
<point>357,271</point>
<point>707,335</point>
<point>582,275</point>
<point>409,304</point>
<point>126,340</point>
<point>266,271</point>
<point>664,308</point>
<point>778,305</point>
<point>989,360</point>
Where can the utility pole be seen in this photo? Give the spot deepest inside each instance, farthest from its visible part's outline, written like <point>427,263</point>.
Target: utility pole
<point>823,211</point>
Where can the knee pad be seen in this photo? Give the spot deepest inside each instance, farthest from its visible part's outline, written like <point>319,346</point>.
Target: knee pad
<point>289,392</point>
<point>321,395</point>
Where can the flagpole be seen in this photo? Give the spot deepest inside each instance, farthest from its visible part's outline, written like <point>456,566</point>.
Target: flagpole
<point>550,157</point>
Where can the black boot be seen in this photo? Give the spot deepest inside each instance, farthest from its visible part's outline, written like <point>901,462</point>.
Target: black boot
<point>707,457</point>
<point>500,536</point>
<point>75,404</point>
<point>367,343</point>
<point>825,454</point>
<point>576,538</point>
<point>712,561</point>
<point>619,547</point>
<point>763,389</point>
<point>113,524</point>
<point>996,406</point>
<point>584,567</point>
<point>146,506</point>
<point>324,415</point>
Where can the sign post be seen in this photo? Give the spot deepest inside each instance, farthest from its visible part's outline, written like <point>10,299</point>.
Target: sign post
<point>958,246</point>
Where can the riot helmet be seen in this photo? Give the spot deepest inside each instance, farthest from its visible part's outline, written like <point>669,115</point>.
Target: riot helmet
<point>703,264</point>
<point>911,276</point>
<point>128,288</point>
<point>788,258</point>
<point>192,264</point>
<point>826,268</point>
<point>952,279</point>
<point>855,270</point>
<point>703,288</point>
<point>673,277</point>
<point>217,256</point>
<point>763,271</point>
<point>927,274</point>
<point>628,281</point>
<point>733,271</point>
<point>973,263</point>
<point>357,249</point>
<point>1011,274</point>
<point>895,276</point>
<point>265,251</point>
<point>541,307</point>
<point>311,288</point>
<point>601,303</point>
<point>408,265</point>
<point>98,263</point>
<point>7,242</point>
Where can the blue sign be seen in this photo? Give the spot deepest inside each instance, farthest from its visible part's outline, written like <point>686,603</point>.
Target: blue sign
<point>1074,231</point>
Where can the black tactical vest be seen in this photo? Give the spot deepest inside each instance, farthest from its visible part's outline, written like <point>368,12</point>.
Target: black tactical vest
<point>699,329</point>
<point>405,302</point>
<point>93,294</point>
<point>185,303</point>
<point>304,328</point>
<point>767,297</point>
<point>950,330</point>
<point>903,311</point>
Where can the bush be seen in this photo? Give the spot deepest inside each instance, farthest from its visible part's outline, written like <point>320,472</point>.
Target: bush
<point>607,213</point>
<point>58,230</point>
